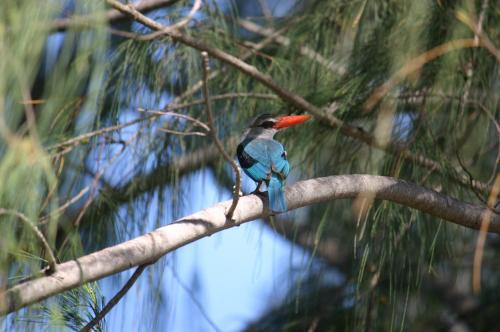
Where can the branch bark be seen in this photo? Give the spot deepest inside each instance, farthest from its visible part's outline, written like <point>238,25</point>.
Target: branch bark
<point>215,137</point>
<point>148,248</point>
<point>112,16</point>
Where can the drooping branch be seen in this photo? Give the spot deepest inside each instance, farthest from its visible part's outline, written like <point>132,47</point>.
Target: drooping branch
<point>52,258</point>
<point>215,138</point>
<point>118,296</point>
<point>149,247</point>
<point>413,65</point>
<point>485,224</point>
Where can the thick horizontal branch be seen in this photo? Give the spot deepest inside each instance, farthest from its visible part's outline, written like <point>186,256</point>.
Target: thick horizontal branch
<point>149,247</point>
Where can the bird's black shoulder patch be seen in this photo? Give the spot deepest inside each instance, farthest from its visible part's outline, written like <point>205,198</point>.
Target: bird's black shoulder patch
<point>245,160</point>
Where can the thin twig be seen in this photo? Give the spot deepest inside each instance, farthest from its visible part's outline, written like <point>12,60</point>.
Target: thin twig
<point>171,107</point>
<point>111,16</point>
<point>479,33</point>
<point>118,296</point>
<point>195,301</point>
<point>471,178</point>
<point>481,239</point>
<point>213,134</point>
<point>231,95</point>
<point>52,258</point>
<point>284,41</point>
<point>178,115</point>
<point>100,173</point>
<point>264,6</point>
<point>415,64</point>
<point>497,126</point>
<point>469,72</point>
<point>63,207</point>
<point>182,133</point>
<point>160,33</point>
<point>85,137</point>
<point>199,85</point>
<point>181,23</point>
<point>94,184</point>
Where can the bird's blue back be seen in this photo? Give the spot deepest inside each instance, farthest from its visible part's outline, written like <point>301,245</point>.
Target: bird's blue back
<point>269,156</point>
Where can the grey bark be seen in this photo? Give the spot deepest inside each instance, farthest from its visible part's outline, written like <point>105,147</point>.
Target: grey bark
<point>149,247</point>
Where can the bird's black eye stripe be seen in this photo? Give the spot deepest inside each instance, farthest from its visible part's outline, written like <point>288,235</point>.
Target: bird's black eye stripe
<point>267,124</point>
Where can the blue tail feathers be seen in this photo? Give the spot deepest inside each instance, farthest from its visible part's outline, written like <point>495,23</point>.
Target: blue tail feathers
<point>276,195</point>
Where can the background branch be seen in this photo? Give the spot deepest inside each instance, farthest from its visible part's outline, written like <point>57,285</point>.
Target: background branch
<point>284,41</point>
<point>118,296</point>
<point>52,258</point>
<point>112,16</point>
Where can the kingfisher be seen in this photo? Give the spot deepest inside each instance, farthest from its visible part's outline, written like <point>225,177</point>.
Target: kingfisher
<point>264,159</point>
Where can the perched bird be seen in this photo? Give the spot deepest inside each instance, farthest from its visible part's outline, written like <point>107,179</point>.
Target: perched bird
<point>264,159</point>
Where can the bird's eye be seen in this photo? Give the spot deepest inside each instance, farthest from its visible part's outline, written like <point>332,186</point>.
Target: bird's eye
<point>267,124</point>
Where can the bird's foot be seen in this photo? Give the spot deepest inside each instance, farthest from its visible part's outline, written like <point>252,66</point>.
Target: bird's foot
<point>258,192</point>
<point>240,193</point>
<point>230,220</point>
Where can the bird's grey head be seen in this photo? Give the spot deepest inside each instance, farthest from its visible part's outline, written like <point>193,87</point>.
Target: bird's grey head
<point>262,126</point>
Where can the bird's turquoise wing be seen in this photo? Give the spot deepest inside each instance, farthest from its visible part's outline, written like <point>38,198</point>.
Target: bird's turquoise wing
<point>258,172</point>
<point>269,154</point>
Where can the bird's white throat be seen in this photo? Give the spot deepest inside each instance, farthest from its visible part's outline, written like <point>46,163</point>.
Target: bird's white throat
<point>257,132</point>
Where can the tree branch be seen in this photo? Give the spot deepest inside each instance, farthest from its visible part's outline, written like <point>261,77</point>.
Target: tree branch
<point>216,140</point>
<point>149,247</point>
<point>112,16</point>
<point>52,260</point>
<point>118,296</point>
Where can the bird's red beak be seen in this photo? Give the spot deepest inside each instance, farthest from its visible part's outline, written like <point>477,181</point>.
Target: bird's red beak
<point>290,120</point>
